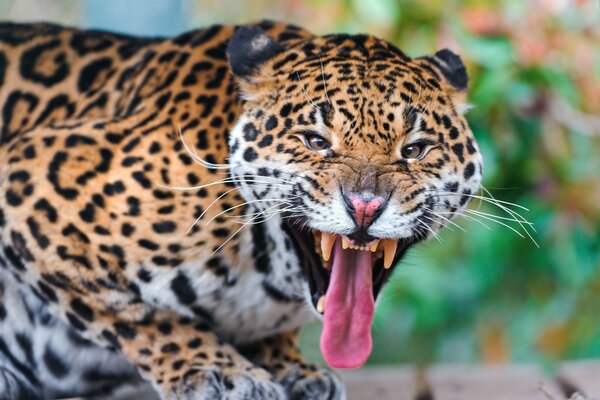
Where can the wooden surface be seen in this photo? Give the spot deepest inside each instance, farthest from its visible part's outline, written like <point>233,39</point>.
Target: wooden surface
<point>573,381</point>
<point>381,383</point>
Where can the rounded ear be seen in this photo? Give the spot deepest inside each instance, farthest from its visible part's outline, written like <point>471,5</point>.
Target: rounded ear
<point>452,67</point>
<point>248,49</point>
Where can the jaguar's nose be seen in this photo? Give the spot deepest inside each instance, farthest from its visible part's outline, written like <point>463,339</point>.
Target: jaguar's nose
<point>364,208</point>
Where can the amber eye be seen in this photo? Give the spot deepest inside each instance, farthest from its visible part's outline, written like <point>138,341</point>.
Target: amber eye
<point>316,142</point>
<point>413,151</point>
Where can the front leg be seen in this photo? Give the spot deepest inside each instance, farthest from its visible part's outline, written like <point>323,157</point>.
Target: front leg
<point>280,355</point>
<point>185,360</point>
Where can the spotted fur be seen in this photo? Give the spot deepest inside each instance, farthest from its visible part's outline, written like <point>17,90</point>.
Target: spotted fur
<point>104,283</point>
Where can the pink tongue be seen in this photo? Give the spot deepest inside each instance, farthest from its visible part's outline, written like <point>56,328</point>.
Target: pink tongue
<point>349,307</point>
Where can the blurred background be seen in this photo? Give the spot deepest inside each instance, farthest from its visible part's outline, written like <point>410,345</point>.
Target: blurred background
<point>484,294</point>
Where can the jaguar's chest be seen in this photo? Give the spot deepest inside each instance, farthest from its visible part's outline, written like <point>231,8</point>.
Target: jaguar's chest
<point>262,294</point>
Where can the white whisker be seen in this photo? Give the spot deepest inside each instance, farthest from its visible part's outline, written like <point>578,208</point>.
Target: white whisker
<point>503,218</point>
<point>218,182</point>
<point>208,208</point>
<point>445,219</point>
<point>482,198</point>
<point>196,157</point>
<point>310,101</point>
<point>281,201</point>
<point>518,218</point>
<point>430,230</point>
<point>470,218</point>
<point>499,222</point>
<point>324,82</point>
<point>237,231</point>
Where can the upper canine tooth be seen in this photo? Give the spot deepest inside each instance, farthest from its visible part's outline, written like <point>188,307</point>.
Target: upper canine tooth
<point>345,243</point>
<point>389,251</point>
<point>327,241</point>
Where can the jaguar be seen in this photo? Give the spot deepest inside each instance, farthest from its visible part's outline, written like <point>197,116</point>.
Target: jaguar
<point>174,210</point>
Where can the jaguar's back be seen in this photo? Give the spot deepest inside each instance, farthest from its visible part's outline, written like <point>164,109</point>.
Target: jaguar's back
<point>53,74</point>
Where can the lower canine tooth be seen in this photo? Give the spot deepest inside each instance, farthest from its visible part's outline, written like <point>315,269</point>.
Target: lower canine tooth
<point>321,304</point>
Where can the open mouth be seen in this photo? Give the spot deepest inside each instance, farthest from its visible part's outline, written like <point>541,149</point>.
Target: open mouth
<point>377,255</point>
<point>345,278</point>
<point>344,289</point>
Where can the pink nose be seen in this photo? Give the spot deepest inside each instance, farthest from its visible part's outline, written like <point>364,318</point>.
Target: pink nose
<point>364,208</point>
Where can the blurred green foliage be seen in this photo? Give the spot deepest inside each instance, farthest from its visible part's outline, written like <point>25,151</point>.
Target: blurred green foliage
<point>484,294</point>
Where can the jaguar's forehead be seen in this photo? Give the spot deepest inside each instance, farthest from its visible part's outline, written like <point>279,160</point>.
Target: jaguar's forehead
<point>357,75</point>
<point>357,61</point>
<point>360,50</point>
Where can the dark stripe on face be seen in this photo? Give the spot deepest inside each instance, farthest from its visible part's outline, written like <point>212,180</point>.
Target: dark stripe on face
<point>260,249</point>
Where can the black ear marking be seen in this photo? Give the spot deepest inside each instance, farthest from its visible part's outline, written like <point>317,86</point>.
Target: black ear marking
<point>249,48</point>
<point>450,64</point>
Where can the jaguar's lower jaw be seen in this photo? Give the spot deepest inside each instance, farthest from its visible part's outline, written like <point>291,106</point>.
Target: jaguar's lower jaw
<point>344,279</point>
<point>343,288</point>
<point>383,252</point>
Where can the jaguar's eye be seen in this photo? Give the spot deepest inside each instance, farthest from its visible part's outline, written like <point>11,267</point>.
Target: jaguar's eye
<point>316,142</point>
<point>413,151</point>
